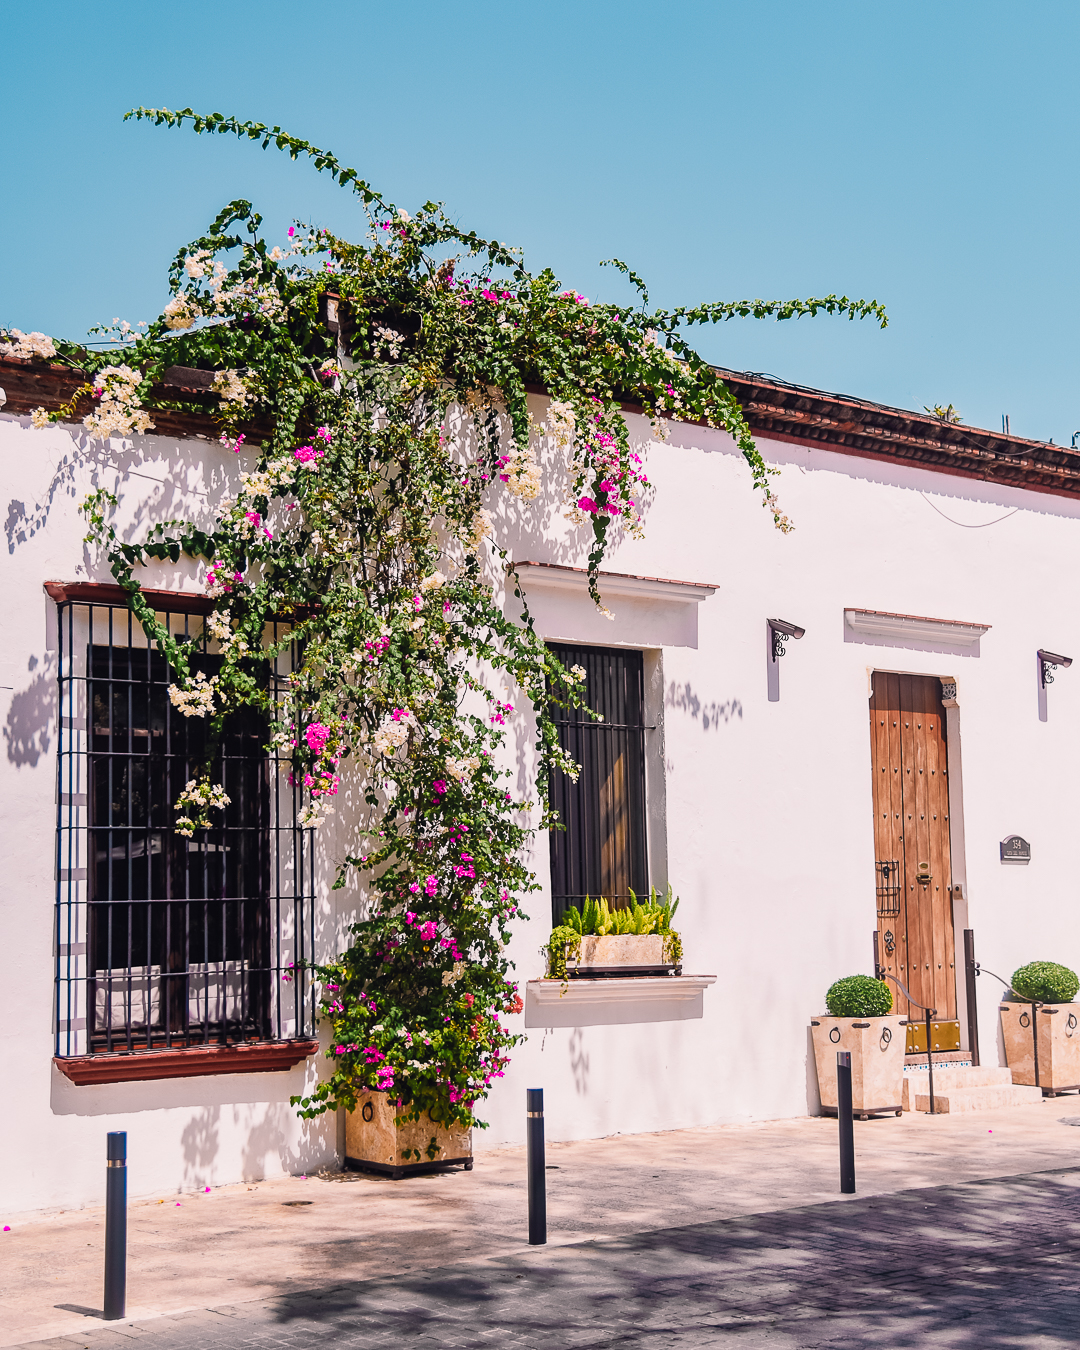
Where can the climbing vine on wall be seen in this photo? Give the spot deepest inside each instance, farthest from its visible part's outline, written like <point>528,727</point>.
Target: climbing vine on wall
<point>378,391</point>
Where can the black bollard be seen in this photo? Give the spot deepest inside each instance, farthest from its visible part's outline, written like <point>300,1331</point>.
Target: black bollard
<point>847,1124</point>
<point>534,1106</point>
<point>116,1226</point>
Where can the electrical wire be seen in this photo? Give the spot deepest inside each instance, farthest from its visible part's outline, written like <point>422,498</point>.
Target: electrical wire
<point>963,524</point>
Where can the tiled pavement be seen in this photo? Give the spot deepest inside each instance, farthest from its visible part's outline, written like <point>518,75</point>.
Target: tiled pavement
<point>984,1265</point>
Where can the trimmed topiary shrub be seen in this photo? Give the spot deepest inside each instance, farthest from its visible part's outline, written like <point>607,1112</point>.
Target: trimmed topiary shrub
<point>859,996</point>
<point>1045,982</point>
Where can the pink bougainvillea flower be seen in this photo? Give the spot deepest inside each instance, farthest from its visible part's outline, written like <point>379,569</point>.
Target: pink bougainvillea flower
<point>316,736</point>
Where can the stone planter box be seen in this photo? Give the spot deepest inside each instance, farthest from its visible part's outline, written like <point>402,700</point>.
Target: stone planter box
<point>1059,1045</point>
<point>628,954</point>
<point>374,1143</point>
<point>877,1062</point>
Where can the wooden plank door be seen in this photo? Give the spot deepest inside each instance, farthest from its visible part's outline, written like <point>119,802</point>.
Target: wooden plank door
<point>908,750</point>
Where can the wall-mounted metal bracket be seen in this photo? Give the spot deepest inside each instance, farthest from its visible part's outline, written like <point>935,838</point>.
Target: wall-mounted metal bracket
<point>778,632</point>
<point>1047,663</point>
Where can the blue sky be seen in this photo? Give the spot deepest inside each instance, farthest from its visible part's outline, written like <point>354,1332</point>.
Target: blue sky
<point>922,154</point>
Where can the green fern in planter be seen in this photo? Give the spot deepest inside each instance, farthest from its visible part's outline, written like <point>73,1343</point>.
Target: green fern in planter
<point>597,919</point>
<point>859,996</point>
<point>1045,982</point>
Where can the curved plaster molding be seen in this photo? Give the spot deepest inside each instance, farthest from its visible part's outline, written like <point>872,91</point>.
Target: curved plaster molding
<point>554,576</point>
<point>615,1002</point>
<point>873,623</point>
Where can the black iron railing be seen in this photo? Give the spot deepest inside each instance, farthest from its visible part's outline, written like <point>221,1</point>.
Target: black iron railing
<point>1035,1004</point>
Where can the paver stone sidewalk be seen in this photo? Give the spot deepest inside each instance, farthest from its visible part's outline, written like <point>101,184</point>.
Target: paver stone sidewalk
<point>683,1227</point>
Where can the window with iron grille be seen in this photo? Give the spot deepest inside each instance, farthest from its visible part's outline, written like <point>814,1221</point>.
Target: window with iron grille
<point>163,941</point>
<point>602,851</point>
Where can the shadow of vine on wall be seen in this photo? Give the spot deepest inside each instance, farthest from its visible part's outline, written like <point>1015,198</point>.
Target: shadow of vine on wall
<point>29,721</point>
<point>24,522</point>
<point>710,715</point>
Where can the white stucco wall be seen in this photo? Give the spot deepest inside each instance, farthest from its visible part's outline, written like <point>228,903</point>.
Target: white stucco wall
<point>765,826</point>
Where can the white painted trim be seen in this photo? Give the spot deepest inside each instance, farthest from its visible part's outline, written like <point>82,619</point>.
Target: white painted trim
<point>610,1002</point>
<point>913,628</point>
<point>553,576</point>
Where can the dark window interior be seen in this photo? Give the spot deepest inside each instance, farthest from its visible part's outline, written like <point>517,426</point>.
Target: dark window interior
<point>178,949</point>
<point>602,851</point>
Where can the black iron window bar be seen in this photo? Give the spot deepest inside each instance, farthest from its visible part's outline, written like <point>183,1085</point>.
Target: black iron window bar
<point>163,941</point>
<point>888,888</point>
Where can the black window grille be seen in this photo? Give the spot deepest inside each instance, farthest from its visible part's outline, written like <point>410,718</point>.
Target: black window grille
<point>602,851</point>
<point>167,941</point>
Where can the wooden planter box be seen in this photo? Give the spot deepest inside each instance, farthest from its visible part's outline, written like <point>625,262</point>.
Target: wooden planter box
<point>1059,1045</point>
<point>374,1143</point>
<point>877,1062</point>
<point>628,954</point>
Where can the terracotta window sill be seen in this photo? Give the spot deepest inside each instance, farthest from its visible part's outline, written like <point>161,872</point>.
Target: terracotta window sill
<point>270,1057</point>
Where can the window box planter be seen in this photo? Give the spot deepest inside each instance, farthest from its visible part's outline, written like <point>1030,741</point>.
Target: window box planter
<point>375,1143</point>
<point>1059,1045</point>
<point>628,954</point>
<point>876,1045</point>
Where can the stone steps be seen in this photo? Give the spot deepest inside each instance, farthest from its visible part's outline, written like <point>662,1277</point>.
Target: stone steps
<point>956,1100</point>
<point>960,1078</point>
<point>965,1089</point>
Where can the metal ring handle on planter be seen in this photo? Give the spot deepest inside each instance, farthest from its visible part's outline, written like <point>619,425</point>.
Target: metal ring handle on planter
<point>886,1039</point>
<point>834,1035</point>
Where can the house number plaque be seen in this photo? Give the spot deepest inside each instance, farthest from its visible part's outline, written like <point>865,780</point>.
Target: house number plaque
<point>1015,849</point>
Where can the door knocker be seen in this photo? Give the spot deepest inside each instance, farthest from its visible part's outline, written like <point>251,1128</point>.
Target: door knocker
<point>890,942</point>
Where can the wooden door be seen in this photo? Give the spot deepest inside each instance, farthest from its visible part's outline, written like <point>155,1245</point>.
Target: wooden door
<point>908,749</point>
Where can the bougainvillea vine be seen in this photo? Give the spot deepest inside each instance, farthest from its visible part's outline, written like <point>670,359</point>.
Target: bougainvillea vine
<point>378,394</point>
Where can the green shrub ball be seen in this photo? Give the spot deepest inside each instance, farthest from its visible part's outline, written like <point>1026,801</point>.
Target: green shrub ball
<point>1045,982</point>
<point>860,996</point>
